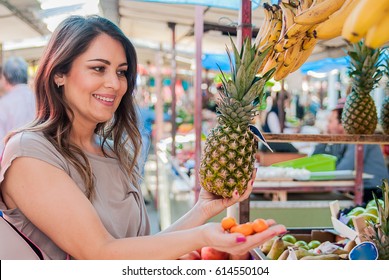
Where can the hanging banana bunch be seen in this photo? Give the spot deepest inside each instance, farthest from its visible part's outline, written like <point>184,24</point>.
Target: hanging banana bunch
<point>293,27</point>
<point>369,19</point>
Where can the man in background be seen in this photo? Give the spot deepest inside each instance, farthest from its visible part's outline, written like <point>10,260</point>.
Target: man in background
<point>17,105</point>
<point>373,159</point>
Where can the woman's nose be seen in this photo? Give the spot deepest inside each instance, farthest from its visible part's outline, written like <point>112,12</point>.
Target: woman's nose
<point>112,81</point>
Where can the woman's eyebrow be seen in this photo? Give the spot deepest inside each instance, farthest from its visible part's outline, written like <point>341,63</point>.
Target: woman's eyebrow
<point>107,62</point>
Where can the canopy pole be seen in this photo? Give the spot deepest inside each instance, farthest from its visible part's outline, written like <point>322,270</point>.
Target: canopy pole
<point>244,31</point>
<point>172,26</point>
<point>199,30</point>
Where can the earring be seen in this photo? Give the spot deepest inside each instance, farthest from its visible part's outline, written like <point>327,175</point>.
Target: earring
<point>58,85</point>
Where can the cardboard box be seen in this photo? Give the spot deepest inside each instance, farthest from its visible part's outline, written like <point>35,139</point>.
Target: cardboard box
<point>340,227</point>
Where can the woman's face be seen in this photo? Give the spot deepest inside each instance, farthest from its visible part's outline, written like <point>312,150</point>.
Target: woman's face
<point>96,82</point>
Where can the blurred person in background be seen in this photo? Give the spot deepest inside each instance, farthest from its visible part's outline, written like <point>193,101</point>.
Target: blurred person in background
<point>272,124</point>
<point>17,105</point>
<point>1,81</point>
<point>373,159</point>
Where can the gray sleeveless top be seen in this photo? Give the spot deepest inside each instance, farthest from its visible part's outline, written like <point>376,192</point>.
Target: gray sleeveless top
<point>119,204</point>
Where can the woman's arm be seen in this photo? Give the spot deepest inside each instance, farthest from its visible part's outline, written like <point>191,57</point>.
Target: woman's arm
<point>208,206</point>
<point>51,200</point>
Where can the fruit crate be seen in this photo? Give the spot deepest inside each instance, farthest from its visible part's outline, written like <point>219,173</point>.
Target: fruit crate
<point>314,163</point>
<point>342,228</point>
<point>305,234</point>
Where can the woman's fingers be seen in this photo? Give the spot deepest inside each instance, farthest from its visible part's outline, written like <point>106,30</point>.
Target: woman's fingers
<point>237,243</point>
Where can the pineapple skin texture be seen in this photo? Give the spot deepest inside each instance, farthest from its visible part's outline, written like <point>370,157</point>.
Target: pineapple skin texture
<point>359,114</point>
<point>228,160</point>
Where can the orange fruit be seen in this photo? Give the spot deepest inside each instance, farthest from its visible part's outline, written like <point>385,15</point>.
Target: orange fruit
<point>228,223</point>
<point>259,225</point>
<point>246,229</point>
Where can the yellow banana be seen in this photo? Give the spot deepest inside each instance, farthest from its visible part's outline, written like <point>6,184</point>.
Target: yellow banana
<point>308,42</point>
<point>275,35</point>
<point>271,63</point>
<point>305,54</point>
<point>290,42</point>
<point>378,34</point>
<point>267,58</point>
<point>311,32</point>
<point>276,28</point>
<point>364,16</point>
<point>265,27</point>
<point>271,26</point>
<point>296,29</point>
<point>332,27</point>
<point>303,6</point>
<point>288,14</point>
<point>290,56</point>
<point>319,12</point>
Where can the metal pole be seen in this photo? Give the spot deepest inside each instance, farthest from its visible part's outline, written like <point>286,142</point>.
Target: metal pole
<point>158,119</point>
<point>172,26</point>
<point>199,30</point>
<point>358,195</point>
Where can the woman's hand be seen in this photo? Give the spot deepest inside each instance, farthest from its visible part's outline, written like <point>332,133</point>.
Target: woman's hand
<point>211,204</point>
<point>237,243</point>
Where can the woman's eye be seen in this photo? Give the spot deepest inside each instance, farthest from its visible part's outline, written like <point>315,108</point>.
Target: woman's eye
<point>122,72</point>
<point>99,69</point>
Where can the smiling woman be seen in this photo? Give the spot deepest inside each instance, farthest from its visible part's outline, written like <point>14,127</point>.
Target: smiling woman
<point>79,194</point>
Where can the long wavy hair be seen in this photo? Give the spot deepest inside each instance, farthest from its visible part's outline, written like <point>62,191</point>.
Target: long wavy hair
<point>70,39</point>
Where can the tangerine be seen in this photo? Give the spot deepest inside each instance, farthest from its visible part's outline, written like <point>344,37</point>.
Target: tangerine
<point>228,223</point>
<point>259,225</point>
<point>245,229</point>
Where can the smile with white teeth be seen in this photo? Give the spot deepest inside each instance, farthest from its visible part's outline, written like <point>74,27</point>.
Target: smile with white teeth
<point>104,98</point>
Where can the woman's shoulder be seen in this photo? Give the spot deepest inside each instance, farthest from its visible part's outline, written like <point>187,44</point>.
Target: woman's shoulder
<point>27,138</point>
<point>33,144</point>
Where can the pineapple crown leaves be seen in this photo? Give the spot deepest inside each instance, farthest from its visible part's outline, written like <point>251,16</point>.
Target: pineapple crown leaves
<point>366,66</point>
<point>244,71</point>
<point>383,212</point>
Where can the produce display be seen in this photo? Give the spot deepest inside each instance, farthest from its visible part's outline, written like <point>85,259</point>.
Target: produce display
<point>228,158</point>
<point>369,213</point>
<point>359,114</point>
<point>378,232</point>
<point>292,247</point>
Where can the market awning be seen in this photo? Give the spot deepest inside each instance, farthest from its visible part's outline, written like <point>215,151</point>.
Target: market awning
<point>230,4</point>
<point>212,61</point>
<point>325,65</point>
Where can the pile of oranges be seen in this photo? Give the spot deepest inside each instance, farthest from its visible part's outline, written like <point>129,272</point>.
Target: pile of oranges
<point>258,225</point>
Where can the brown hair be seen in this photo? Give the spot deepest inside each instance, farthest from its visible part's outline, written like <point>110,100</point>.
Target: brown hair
<point>72,38</point>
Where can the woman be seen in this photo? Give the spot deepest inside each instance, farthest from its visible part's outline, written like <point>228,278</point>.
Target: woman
<point>78,194</point>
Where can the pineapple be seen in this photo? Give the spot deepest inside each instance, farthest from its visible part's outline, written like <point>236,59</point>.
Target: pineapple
<point>379,233</point>
<point>359,114</point>
<point>228,158</point>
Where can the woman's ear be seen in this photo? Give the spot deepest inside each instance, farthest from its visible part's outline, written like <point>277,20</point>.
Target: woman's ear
<point>59,79</point>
